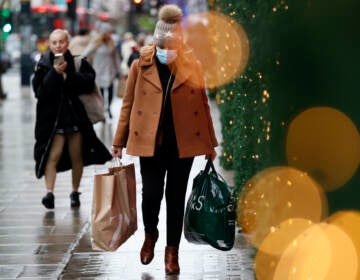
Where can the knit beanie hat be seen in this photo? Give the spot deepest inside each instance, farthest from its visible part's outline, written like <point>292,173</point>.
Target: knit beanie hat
<point>169,25</point>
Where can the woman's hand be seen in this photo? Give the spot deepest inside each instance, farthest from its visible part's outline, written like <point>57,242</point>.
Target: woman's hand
<point>116,151</point>
<point>61,67</point>
<point>212,155</point>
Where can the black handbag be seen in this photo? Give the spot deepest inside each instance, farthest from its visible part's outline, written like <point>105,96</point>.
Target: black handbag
<point>210,211</point>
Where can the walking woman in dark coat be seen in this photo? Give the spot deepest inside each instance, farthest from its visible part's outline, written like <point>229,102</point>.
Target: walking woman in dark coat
<point>64,136</point>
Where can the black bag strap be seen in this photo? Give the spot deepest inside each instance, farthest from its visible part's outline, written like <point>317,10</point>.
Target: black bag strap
<point>209,165</point>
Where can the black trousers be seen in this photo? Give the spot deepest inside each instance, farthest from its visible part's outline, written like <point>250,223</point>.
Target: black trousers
<point>110,90</point>
<point>153,171</point>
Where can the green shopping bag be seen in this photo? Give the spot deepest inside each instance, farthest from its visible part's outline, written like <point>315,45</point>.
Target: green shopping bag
<point>210,212</point>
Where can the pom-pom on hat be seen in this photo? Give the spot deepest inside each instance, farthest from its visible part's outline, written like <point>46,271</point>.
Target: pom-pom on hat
<point>168,28</point>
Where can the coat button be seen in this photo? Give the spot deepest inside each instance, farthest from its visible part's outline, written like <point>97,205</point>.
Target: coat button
<point>197,133</point>
<point>192,91</point>
<point>143,92</point>
<point>139,112</point>
<point>136,133</point>
<point>196,113</point>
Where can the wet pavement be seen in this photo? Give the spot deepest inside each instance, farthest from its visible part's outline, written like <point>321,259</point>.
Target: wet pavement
<point>40,244</point>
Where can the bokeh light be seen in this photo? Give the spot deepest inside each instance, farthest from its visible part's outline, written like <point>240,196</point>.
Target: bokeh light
<point>325,143</point>
<point>323,251</point>
<point>220,44</point>
<point>349,222</point>
<point>274,245</point>
<point>275,195</point>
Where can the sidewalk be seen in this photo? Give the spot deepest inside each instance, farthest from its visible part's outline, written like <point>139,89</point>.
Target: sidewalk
<point>40,244</point>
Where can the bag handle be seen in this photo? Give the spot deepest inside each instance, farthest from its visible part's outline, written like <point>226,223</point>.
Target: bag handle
<point>116,162</point>
<point>209,165</point>
<point>116,165</point>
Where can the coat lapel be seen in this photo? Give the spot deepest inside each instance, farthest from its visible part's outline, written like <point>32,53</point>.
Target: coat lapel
<point>180,78</point>
<point>184,70</point>
<point>151,75</point>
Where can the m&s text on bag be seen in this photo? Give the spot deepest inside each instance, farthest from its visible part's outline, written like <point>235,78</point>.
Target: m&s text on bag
<point>198,203</point>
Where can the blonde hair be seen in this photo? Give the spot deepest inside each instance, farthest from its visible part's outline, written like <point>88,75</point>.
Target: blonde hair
<point>60,31</point>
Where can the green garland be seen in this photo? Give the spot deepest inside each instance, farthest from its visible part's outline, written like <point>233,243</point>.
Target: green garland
<point>245,102</point>
<point>302,54</point>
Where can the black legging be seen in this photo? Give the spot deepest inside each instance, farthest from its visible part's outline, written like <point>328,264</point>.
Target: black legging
<point>153,170</point>
<point>110,96</point>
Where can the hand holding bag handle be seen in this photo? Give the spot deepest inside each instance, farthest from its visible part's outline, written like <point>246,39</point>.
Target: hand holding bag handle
<point>116,151</point>
<point>116,165</point>
<point>209,165</point>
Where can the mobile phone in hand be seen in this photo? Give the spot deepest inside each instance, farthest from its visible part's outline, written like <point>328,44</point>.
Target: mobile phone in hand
<point>58,58</point>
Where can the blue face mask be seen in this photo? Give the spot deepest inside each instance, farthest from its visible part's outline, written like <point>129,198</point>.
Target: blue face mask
<point>166,56</point>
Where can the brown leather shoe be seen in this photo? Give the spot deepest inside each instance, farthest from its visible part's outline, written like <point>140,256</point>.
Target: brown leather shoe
<point>147,250</point>
<point>172,260</point>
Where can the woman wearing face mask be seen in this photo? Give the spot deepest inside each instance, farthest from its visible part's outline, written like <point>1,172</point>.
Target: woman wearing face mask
<point>165,120</point>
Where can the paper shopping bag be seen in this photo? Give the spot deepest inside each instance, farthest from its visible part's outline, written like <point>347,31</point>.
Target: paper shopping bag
<point>114,214</point>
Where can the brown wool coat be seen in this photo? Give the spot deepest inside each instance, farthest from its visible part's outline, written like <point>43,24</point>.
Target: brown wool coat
<point>142,103</point>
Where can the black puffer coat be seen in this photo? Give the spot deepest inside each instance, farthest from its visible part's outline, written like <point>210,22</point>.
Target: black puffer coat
<point>51,92</point>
